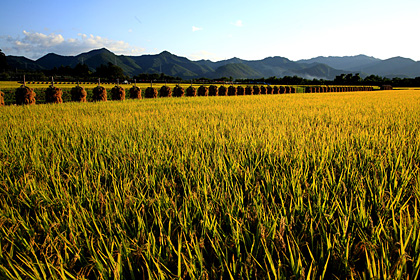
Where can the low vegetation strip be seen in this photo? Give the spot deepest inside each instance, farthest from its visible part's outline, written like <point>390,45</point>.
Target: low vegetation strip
<point>100,93</point>
<point>252,187</point>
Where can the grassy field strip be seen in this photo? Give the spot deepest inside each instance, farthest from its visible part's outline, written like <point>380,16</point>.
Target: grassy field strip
<point>274,186</point>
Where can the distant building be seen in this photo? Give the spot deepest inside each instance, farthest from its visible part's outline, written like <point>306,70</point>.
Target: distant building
<point>386,87</point>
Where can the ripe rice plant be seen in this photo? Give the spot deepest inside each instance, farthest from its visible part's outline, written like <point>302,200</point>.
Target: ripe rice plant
<point>303,186</point>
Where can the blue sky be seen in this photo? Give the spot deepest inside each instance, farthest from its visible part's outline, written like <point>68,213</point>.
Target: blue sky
<point>215,30</point>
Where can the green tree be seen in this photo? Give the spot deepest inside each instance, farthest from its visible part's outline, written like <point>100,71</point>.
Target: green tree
<point>110,71</point>
<point>81,71</point>
<point>3,62</point>
<point>356,79</point>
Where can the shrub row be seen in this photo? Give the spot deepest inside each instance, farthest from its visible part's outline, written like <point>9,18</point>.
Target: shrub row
<point>26,95</point>
<point>336,89</point>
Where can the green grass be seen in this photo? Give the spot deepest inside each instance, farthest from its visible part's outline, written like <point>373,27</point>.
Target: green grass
<point>245,187</point>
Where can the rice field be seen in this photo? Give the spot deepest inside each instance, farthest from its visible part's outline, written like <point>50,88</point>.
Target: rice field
<point>298,186</point>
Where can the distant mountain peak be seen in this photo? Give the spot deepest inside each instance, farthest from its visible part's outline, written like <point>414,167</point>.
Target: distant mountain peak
<point>165,53</point>
<point>170,64</point>
<point>98,51</point>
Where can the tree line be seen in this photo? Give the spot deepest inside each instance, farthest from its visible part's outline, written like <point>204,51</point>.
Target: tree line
<point>110,72</point>
<point>343,79</point>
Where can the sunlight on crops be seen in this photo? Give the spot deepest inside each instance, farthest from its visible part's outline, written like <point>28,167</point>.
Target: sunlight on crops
<point>273,186</point>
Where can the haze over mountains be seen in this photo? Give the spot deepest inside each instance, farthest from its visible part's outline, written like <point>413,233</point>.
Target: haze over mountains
<point>320,67</point>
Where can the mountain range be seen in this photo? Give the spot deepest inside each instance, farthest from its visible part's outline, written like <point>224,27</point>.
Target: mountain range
<point>320,67</point>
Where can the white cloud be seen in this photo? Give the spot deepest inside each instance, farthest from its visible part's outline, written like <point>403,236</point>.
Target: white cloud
<point>238,23</point>
<point>204,55</point>
<point>35,45</point>
<point>194,28</point>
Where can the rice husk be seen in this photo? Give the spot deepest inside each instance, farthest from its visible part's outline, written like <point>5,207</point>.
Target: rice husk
<point>118,93</point>
<point>53,95</point>
<point>165,91</point>
<point>223,91</point>
<point>240,90</point>
<point>150,92</point>
<point>135,92</point>
<point>25,95</point>
<point>99,94</point>
<point>178,91</point>
<point>213,90</point>
<point>78,94</point>
<point>202,91</point>
<point>249,90</point>
<point>191,91</point>
<point>257,90</point>
<point>1,98</point>
<point>232,91</point>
